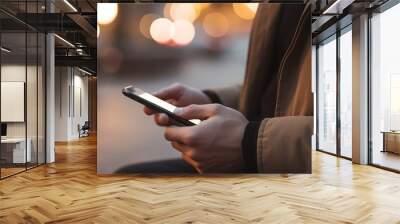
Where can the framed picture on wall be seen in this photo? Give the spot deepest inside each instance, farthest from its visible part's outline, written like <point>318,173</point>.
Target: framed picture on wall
<point>12,101</point>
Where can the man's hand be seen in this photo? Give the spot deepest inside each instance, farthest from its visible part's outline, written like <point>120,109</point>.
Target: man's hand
<point>178,95</point>
<point>215,144</point>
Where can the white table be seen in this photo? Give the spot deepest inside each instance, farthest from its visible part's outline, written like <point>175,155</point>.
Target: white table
<point>19,153</point>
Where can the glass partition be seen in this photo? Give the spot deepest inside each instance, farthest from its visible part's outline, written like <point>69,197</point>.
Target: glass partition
<point>22,91</point>
<point>31,99</point>
<point>32,83</point>
<point>41,97</point>
<point>13,105</point>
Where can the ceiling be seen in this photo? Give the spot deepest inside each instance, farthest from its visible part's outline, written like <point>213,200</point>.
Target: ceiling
<point>76,23</point>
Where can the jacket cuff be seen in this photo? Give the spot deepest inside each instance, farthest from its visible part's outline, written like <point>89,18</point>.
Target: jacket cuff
<point>228,96</point>
<point>249,146</point>
<point>212,96</point>
<point>284,145</point>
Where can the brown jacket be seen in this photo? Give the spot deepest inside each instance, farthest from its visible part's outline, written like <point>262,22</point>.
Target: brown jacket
<point>277,88</point>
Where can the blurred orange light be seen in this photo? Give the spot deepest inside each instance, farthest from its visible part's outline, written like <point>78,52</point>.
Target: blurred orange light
<point>98,30</point>
<point>145,23</point>
<point>245,10</point>
<point>252,6</point>
<point>106,13</point>
<point>186,11</point>
<point>167,9</point>
<point>215,24</point>
<point>199,7</point>
<point>184,32</point>
<point>162,30</point>
<point>204,5</point>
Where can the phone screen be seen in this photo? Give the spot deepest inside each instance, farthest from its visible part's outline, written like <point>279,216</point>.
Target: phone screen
<point>146,97</point>
<point>161,103</point>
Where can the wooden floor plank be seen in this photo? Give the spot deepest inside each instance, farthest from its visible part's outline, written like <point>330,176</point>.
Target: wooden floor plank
<point>70,191</point>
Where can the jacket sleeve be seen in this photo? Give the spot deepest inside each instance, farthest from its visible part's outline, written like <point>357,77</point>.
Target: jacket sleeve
<point>228,96</point>
<point>284,145</point>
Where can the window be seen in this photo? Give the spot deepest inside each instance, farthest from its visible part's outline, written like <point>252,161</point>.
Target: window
<point>326,99</point>
<point>346,93</point>
<point>334,109</point>
<point>385,89</point>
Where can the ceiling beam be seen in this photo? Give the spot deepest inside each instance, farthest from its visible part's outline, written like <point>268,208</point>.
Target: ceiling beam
<point>84,24</point>
<point>78,61</point>
<point>337,7</point>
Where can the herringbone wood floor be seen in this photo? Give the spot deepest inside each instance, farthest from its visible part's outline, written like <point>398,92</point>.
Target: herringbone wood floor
<point>69,191</point>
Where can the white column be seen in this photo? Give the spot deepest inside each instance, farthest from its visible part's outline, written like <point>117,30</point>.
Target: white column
<point>50,92</point>
<point>360,90</point>
<point>50,99</point>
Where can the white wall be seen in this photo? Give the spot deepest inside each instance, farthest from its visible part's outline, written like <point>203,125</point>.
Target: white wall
<point>80,84</point>
<point>62,80</point>
<point>70,83</point>
<point>33,126</point>
<point>16,73</point>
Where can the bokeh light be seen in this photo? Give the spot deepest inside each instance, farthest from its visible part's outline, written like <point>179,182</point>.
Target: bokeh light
<point>200,7</point>
<point>106,13</point>
<point>203,5</point>
<point>176,27</point>
<point>245,11</point>
<point>252,6</point>
<point>145,23</point>
<point>167,9</point>
<point>98,30</point>
<point>185,11</point>
<point>162,30</point>
<point>183,32</point>
<point>215,24</point>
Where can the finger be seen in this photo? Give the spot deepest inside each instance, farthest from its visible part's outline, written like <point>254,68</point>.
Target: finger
<point>162,119</point>
<point>193,163</point>
<point>201,112</point>
<point>186,150</point>
<point>149,111</point>
<point>170,92</point>
<point>179,134</point>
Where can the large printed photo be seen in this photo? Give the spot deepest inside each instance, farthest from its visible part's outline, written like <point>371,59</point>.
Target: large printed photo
<point>204,88</point>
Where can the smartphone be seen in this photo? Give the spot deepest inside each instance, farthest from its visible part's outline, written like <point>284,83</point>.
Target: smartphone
<point>157,104</point>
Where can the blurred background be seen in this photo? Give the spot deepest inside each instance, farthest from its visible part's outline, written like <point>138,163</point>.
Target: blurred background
<point>154,45</point>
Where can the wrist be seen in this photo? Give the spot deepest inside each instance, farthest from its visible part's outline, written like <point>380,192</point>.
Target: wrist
<point>249,146</point>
